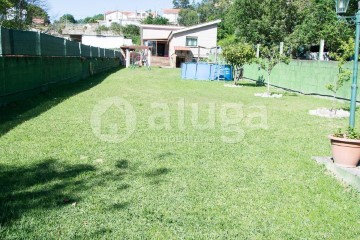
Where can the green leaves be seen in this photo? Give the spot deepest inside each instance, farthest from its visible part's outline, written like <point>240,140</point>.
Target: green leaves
<point>345,51</point>
<point>270,56</point>
<point>238,55</point>
<point>349,133</point>
<point>159,20</point>
<point>188,17</point>
<point>298,22</point>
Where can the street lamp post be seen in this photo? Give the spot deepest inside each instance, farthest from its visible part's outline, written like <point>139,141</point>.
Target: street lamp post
<point>341,7</point>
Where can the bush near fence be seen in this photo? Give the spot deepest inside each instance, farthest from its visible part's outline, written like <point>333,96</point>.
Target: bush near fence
<point>31,61</point>
<point>308,77</point>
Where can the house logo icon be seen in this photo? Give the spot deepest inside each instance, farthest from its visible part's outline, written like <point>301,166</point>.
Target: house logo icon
<point>113,120</point>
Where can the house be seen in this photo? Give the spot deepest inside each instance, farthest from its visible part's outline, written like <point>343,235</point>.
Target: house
<point>38,21</point>
<point>88,34</point>
<point>126,18</point>
<point>172,15</point>
<point>178,44</point>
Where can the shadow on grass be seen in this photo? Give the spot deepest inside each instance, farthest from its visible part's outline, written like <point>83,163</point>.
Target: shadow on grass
<point>20,111</point>
<point>45,185</point>
<point>53,184</point>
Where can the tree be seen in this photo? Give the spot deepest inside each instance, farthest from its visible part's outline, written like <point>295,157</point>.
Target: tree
<point>93,19</point>
<point>133,32</point>
<point>101,29</point>
<point>159,20</point>
<point>116,28</point>
<point>270,57</point>
<point>18,14</point>
<point>210,10</point>
<point>298,22</point>
<point>181,4</point>
<point>261,21</point>
<point>321,22</point>
<point>38,12</point>
<point>67,18</point>
<point>188,17</point>
<point>238,55</point>
<point>345,52</point>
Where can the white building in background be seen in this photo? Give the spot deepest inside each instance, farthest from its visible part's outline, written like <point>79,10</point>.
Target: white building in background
<point>126,18</point>
<point>106,41</point>
<point>172,15</point>
<point>177,44</point>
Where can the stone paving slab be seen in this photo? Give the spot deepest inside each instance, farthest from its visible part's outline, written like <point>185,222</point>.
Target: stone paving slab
<point>351,176</point>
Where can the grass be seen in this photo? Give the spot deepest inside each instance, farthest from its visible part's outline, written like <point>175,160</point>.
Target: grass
<point>59,181</point>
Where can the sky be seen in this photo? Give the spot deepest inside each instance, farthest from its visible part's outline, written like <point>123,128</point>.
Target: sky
<point>84,8</point>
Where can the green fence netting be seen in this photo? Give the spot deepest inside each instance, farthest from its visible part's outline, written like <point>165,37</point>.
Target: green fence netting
<point>25,76</point>
<point>94,52</point>
<point>27,43</point>
<point>85,51</point>
<point>15,42</point>
<point>72,49</point>
<point>309,77</point>
<point>102,52</point>
<point>52,46</point>
<point>109,53</point>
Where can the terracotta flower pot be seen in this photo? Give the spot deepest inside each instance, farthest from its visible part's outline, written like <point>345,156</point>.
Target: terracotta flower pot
<point>345,152</point>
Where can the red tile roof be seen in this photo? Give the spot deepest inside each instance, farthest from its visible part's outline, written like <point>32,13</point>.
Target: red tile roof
<point>171,11</point>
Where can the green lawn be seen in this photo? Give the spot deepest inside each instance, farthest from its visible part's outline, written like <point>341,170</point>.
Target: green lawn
<point>169,183</point>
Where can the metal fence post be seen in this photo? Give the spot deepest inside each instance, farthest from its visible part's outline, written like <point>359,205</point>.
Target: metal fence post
<point>79,49</point>
<point>1,52</point>
<point>38,43</point>
<point>99,54</point>
<point>90,52</point>
<point>65,47</point>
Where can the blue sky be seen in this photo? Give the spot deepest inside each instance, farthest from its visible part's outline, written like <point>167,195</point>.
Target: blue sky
<point>84,8</point>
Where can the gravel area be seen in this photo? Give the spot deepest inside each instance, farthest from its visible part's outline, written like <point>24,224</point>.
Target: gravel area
<point>266,95</point>
<point>330,113</point>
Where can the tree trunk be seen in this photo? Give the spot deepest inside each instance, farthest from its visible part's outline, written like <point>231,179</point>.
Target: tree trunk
<point>268,84</point>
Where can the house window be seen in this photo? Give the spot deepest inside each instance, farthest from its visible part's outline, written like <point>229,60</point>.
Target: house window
<point>191,41</point>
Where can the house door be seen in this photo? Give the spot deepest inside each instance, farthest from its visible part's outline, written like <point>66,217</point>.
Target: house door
<point>179,61</point>
<point>161,49</point>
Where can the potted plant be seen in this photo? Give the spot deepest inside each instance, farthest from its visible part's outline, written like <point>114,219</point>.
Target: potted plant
<point>345,146</point>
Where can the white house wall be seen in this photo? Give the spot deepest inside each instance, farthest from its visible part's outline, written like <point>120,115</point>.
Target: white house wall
<point>207,37</point>
<point>106,41</point>
<point>149,33</point>
<point>172,17</point>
